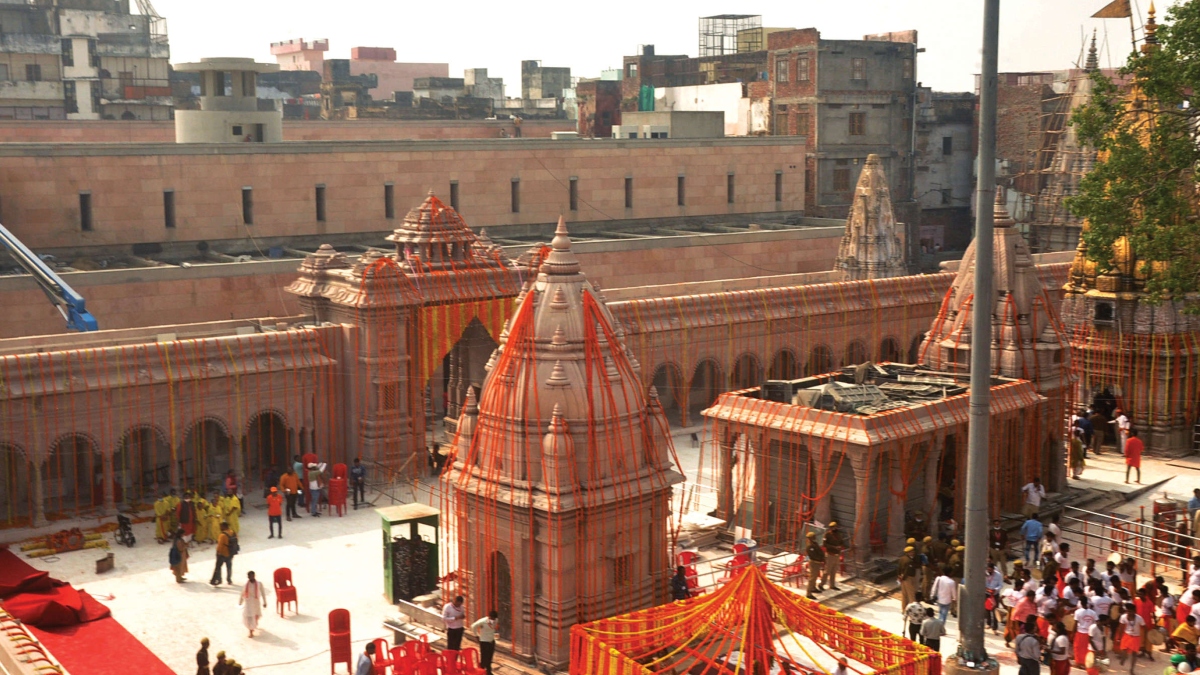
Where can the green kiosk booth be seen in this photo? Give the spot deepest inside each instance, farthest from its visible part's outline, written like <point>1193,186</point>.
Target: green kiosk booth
<point>410,550</point>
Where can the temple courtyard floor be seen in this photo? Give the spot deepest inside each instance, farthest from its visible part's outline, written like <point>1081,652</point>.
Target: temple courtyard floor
<point>336,562</point>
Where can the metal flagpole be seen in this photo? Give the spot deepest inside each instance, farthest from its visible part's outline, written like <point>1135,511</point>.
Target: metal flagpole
<point>972,652</point>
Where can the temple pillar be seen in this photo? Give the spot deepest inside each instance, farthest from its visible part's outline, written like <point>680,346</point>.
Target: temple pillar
<point>106,469</point>
<point>725,448</point>
<point>823,508</point>
<point>859,463</point>
<point>936,445</point>
<point>896,500</point>
<point>237,461</point>
<point>39,495</point>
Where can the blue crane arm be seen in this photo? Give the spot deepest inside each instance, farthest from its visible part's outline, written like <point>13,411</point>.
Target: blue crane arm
<point>69,303</point>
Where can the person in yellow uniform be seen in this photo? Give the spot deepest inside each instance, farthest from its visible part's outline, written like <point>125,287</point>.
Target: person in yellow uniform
<point>231,510</point>
<point>816,563</point>
<point>172,501</point>
<point>162,521</point>
<point>906,572</point>
<point>215,516</point>
<point>929,567</point>
<point>202,508</point>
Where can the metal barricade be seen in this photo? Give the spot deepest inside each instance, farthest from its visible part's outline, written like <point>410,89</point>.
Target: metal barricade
<point>1163,542</point>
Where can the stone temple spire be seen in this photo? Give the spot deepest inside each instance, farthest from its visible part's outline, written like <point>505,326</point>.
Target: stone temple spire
<point>1027,339</point>
<point>1093,59</point>
<point>871,248</point>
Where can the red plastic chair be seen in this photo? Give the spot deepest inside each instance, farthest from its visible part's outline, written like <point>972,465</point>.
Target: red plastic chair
<point>336,493</point>
<point>285,592</point>
<point>382,658</point>
<point>339,470</point>
<point>450,664</point>
<point>687,557</point>
<point>403,662</point>
<point>310,458</point>
<point>339,640</point>
<point>426,668</point>
<point>469,659</point>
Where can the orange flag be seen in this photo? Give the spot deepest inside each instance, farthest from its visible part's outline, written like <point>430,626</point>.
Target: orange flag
<point>1117,9</point>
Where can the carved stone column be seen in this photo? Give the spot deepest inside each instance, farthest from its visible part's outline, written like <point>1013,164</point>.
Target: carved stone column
<point>39,494</point>
<point>934,456</point>
<point>106,459</point>
<point>237,461</point>
<point>859,462</point>
<point>896,499</point>
<point>726,453</point>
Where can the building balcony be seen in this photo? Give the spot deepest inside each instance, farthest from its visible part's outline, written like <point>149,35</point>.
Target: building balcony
<point>134,90</point>
<point>31,91</point>
<point>29,43</point>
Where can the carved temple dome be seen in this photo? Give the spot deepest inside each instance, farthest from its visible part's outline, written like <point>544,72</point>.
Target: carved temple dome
<point>1028,341</point>
<point>434,235</point>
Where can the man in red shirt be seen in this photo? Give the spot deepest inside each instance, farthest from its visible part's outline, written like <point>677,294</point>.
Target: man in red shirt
<point>275,512</point>
<point>1133,455</point>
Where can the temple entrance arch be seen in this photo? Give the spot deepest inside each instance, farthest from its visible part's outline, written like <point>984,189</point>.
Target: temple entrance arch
<point>820,360</point>
<point>784,366</point>
<point>889,350</point>
<point>708,382</point>
<point>204,456</point>
<point>746,372</point>
<point>856,353</point>
<point>16,502</point>
<point>462,368</point>
<point>74,474</point>
<point>142,463</point>
<point>267,446</point>
<point>499,593</point>
<point>668,382</point>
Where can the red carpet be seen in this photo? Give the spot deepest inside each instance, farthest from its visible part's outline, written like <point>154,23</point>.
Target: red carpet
<point>74,626</point>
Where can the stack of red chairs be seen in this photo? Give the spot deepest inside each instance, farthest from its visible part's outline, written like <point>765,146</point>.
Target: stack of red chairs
<point>416,658</point>
<point>382,658</point>
<point>740,559</point>
<point>338,490</point>
<point>339,640</point>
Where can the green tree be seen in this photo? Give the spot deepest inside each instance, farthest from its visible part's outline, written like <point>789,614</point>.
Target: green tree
<point>1144,184</point>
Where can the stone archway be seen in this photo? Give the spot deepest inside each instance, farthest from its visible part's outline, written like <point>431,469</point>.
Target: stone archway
<point>16,498</point>
<point>784,366</point>
<point>889,350</point>
<point>708,382</point>
<point>142,463</point>
<point>462,368</point>
<point>914,348</point>
<point>856,353</point>
<point>820,360</point>
<point>74,474</point>
<point>204,456</point>
<point>267,447</point>
<point>499,593</point>
<point>668,382</point>
<point>746,372</point>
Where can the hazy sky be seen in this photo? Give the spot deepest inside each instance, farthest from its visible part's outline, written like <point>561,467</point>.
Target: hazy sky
<point>1034,34</point>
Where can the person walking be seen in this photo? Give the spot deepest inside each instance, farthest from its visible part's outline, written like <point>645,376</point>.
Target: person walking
<point>358,482</point>
<point>1028,648</point>
<point>453,615</point>
<point>816,563</point>
<point>275,512</point>
<point>1031,531</point>
<point>1099,425</point>
<point>1122,422</point>
<point>1075,453</point>
<point>178,557</point>
<point>1060,651</point>
<point>1034,493</point>
<point>366,660</point>
<point>914,615</point>
<point>945,592</point>
<point>253,602</point>
<point>1085,618</point>
<point>316,482</point>
<point>998,546</point>
<point>932,630</point>
<point>225,555</point>
<point>1133,455</point>
<point>993,582</point>
<point>1098,642</point>
<point>290,484</point>
<point>202,658</point>
<point>906,572</point>
<point>834,543</point>
<point>485,630</point>
<point>1132,625</point>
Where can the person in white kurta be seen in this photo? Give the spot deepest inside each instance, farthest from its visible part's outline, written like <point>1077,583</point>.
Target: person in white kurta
<point>253,601</point>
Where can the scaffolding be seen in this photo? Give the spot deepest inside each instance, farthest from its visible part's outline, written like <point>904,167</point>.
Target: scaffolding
<point>719,34</point>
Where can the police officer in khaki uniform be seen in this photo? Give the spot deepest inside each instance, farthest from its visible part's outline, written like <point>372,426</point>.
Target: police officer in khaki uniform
<point>816,563</point>
<point>906,572</point>
<point>956,570</point>
<point>835,543</point>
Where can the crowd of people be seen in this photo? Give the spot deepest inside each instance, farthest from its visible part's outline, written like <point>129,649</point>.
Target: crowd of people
<point>1089,430</point>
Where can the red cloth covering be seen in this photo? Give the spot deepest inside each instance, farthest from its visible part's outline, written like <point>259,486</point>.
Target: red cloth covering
<point>37,600</point>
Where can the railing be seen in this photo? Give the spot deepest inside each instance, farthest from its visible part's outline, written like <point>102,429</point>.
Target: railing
<point>1163,541</point>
